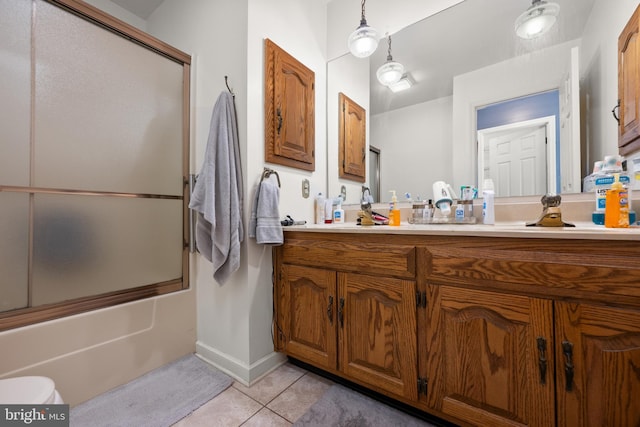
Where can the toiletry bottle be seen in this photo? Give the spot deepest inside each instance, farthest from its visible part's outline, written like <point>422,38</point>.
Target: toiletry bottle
<point>328,211</point>
<point>394,212</point>
<point>319,219</point>
<point>616,214</point>
<point>488,195</point>
<point>428,211</point>
<point>338,214</point>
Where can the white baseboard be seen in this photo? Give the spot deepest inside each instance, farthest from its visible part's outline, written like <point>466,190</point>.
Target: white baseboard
<point>240,371</point>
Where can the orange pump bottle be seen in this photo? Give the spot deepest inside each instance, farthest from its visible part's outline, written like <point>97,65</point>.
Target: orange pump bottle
<point>616,211</point>
<point>394,212</point>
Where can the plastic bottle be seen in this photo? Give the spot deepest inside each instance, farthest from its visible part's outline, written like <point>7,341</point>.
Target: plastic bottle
<point>616,213</point>
<point>338,214</point>
<point>394,212</point>
<point>319,209</point>
<point>488,196</point>
<point>428,210</point>
<point>328,211</point>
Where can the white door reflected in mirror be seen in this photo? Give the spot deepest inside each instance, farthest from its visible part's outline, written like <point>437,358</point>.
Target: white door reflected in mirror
<point>515,157</point>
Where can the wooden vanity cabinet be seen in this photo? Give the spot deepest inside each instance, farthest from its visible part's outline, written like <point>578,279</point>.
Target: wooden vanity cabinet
<point>535,332</point>
<point>486,367</point>
<point>358,325</point>
<point>514,331</point>
<point>597,365</point>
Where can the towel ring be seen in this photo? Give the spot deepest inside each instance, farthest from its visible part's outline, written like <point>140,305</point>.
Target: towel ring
<point>266,173</point>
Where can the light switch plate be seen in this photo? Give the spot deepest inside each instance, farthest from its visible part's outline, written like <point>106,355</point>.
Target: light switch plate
<point>343,193</point>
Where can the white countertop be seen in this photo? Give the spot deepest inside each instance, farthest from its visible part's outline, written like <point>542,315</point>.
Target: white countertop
<point>586,230</point>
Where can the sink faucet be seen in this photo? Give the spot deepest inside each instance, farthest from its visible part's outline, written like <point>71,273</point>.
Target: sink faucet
<point>365,200</point>
<point>365,206</point>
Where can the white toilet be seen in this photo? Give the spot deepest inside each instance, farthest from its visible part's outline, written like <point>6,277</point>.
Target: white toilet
<point>29,391</point>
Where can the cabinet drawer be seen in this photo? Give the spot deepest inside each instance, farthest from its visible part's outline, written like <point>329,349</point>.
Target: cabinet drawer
<point>541,269</point>
<point>344,255</point>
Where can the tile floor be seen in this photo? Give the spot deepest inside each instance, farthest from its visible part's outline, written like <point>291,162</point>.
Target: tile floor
<point>277,400</point>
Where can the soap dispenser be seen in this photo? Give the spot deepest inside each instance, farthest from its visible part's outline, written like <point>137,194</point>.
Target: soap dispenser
<point>394,212</point>
<point>616,214</point>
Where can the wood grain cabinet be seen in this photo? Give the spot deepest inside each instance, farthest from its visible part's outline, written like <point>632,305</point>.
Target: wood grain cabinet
<point>352,140</point>
<point>486,367</point>
<point>498,363</point>
<point>289,110</point>
<point>357,325</point>
<point>478,331</point>
<point>629,85</point>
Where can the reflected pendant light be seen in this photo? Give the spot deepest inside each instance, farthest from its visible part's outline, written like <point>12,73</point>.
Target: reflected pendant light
<point>390,72</point>
<point>537,20</point>
<point>364,40</point>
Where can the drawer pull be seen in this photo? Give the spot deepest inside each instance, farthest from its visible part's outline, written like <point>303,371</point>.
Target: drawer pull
<point>340,312</point>
<point>567,350</point>
<point>542,359</point>
<point>330,309</point>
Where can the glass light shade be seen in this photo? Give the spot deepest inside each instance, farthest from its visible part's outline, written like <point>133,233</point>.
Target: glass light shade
<point>403,84</point>
<point>363,41</point>
<point>390,72</point>
<point>537,20</point>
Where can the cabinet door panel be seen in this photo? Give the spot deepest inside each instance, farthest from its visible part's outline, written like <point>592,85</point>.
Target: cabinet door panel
<point>378,332</point>
<point>352,139</point>
<point>629,85</point>
<point>289,110</point>
<point>605,344</point>
<point>484,362</point>
<point>309,315</point>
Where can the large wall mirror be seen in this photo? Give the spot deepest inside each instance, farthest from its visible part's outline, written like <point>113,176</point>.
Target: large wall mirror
<point>466,61</point>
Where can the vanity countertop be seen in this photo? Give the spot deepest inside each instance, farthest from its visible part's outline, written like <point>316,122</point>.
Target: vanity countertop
<point>584,230</point>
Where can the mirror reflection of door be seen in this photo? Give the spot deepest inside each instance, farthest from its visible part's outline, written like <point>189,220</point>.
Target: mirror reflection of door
<point>374,173</point>
<point>519,117</point>
<point>516,160</point>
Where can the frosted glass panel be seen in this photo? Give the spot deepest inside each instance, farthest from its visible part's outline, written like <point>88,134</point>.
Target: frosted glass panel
<point>15,91</point>
<point>87,245</point>
<point>14,250</point>
<point>108,111</point>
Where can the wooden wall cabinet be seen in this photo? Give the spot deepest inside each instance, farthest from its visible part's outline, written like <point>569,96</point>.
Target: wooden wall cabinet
<point>352,140</point>
<point>629,86</point>
<point>289,110</point>
<point>478,331</point>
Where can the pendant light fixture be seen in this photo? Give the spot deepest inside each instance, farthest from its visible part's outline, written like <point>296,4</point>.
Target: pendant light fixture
<point>537,20</point>
<point>390,72</point>
<point>364,40</point>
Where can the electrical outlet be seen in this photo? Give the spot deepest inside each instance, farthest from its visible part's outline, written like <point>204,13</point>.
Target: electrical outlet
<point>305,188</point>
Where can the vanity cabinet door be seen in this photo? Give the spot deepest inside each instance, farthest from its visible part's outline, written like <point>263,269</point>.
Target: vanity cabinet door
<point>485,367</point>
<point>598,365</point>
<point>377,332</point>
<point>629,85</point>
<point>309,315</point>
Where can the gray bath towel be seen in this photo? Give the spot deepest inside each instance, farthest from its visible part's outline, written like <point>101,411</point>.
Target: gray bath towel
<point>265,224</point>
<point>217,196</point>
